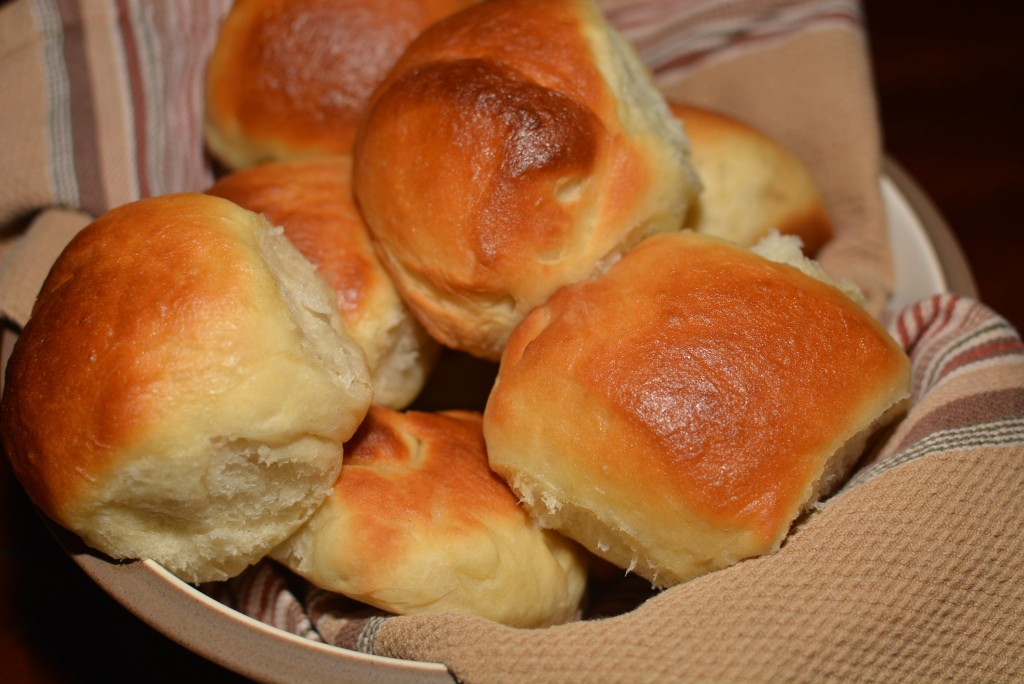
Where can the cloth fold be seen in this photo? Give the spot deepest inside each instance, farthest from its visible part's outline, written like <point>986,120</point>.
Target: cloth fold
<point>912,571</point>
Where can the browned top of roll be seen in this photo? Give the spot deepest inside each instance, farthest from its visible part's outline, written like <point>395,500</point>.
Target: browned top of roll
<point>419,523</point>
<point>541,38</point>
<point>292,77</point>
<point>517,213</point>
<point>418,468</point>
<point>709,374</point>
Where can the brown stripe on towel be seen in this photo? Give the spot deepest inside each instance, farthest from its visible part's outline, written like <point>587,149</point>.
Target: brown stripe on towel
<point>137,98</point>
<point>991,341</point>
<point>63,184</point>
<point>951,337</point>
<point>747,39</point>
<point>187,167</point>
<point>194,27</point>
<point>111,102</point>
<point>342,622</point>
<point>166,86</point>
<point>719,28</point>
<point>946,334</point>
<point>84,134</point>
<point>979,436</point>
<point>771,21</point>
<point>969,410</point>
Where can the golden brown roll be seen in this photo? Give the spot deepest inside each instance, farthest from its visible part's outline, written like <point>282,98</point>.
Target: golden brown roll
<point>291,78</point>
<point>312,200</point>
<point>418,523</point>
<point>677,414</point>
<point>183,387</point>
<point>516,146</point>
<point>752,184</point>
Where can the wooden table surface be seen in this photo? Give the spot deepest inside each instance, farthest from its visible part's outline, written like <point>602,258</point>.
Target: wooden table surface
<point>947,76</point>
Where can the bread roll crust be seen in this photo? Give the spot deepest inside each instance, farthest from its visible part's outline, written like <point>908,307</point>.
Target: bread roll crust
<point>751,183</point>
<point>515,147</point>
<point>183,387</point>
<point>677,414</point>
<point>311,199</point>
<point>291,78</point>
<point>418,523</point>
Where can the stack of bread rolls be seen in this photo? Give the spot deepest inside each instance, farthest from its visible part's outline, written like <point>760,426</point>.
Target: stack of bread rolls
<point>676,381</point>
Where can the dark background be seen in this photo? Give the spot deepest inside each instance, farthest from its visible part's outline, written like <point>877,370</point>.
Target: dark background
<point>949,79</point>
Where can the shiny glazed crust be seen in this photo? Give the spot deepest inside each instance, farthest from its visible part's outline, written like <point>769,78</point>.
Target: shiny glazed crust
<point>677,414</point>
<point>291,78</point>
<point>516,146</point>
<point>751,183</point>
<point>311,199</point>
<point>183,387</point>
<point>418,523</point>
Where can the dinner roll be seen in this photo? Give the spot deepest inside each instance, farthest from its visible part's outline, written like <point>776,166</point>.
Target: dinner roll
<point>752,184</point>
<point>291,78</point>
<point>312,200</point>
<point>183,388</point>
<point>418,523</point>
<point>516,146</point>
<point>677,414</point>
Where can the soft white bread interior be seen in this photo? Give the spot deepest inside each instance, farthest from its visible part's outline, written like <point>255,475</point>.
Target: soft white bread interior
<point>789,249</point>
<point>677,414</point>
<point>311,199</point>
<point>183,388</point>
<point>516,146</point>
<point>418,523</point>
<point>752,184</point>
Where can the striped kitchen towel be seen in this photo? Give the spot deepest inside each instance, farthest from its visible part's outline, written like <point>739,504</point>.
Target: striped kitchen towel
<point>103,101</point>
<point>913,571</point>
